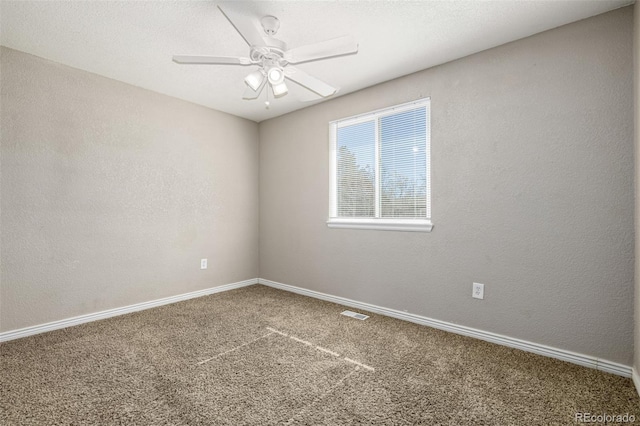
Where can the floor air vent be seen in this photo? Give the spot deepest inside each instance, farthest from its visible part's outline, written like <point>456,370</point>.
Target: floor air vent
<point>355,315</point>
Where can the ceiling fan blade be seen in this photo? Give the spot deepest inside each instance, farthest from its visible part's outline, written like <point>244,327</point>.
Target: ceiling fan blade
<point>196,59</point>
<point>325,49</point>
<point>249,93</point>
<point>247,27</point>
<point>312,96</point>
<point>302,78</point>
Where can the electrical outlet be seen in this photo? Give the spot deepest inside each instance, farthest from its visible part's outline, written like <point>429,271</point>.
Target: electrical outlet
<point>203,263</point>
<point>478,291</point>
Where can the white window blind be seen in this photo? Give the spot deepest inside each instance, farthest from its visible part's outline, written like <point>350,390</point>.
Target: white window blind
<point>380,175</point>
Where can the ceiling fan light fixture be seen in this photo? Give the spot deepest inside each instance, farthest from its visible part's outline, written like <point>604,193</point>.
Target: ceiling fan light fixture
<point>255,79</point>
<point>279,89</point>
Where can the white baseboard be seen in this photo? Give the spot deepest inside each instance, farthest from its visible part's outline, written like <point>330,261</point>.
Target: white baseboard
<point>68,322</point>
<point>636,379</point>
<point>575,358</point>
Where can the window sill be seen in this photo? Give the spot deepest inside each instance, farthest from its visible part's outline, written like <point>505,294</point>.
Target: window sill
<point>412,225</point>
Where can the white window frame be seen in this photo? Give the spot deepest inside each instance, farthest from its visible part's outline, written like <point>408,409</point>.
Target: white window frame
<point>387,224</point>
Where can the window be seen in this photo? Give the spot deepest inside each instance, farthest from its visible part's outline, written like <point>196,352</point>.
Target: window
<point>380,171</point>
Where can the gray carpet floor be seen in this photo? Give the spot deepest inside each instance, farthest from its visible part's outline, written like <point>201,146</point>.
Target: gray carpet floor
<point>260,356</point>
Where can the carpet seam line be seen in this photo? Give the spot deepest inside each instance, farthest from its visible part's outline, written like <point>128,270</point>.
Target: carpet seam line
<point>234,349</point>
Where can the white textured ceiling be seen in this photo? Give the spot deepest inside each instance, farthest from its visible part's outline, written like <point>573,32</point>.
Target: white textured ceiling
<point>133,41</point>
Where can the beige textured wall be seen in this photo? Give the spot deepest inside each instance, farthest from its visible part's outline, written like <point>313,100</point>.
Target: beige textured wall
<point>532,153</point>
<point>112,194</point>
<point>636,91</point>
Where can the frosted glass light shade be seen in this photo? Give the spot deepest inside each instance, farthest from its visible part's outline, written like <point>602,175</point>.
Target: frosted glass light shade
<point>255,79</point>
<point>275,75</point>
<point>279,89</point>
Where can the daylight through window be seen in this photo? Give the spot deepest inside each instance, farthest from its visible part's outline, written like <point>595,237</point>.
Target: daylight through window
<point>380,171</point>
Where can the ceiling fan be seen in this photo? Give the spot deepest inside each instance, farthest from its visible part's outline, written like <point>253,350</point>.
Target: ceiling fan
<point>273,58</point>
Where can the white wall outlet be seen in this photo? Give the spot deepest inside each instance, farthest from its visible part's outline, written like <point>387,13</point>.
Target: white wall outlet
<point>203,263</point>
<point>478,291</point>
